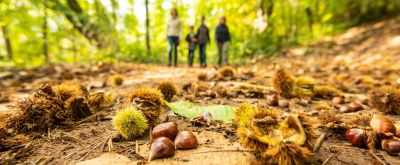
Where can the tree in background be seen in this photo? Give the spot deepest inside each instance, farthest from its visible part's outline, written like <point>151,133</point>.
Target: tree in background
<point>148,48</point>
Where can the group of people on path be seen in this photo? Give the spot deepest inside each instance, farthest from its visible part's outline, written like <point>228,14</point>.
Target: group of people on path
<point>200,38</point>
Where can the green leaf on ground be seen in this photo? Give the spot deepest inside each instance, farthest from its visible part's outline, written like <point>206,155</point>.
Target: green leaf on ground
<point>191,110</point>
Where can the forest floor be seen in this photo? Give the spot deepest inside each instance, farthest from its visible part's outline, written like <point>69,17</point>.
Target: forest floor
<point>361,59</point>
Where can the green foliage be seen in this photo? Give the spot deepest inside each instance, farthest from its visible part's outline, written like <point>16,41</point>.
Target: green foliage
<point>191,110</point>
<point>115,30</point>
<point>130,123</point>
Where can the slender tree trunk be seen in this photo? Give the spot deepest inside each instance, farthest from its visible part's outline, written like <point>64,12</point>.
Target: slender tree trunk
<point>45,40</point>
<point>147,28</point>
<point>7,42</point>
<point>296,19</point>
<point>310,19</point>
<point>74,48</point>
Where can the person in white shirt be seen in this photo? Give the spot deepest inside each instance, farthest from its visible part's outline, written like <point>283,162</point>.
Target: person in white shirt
<point>173,32</point>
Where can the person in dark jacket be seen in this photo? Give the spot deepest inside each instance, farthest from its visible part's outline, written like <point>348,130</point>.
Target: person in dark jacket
<point>203,37</point>
<point>192,43</point>
<point>222,37</point>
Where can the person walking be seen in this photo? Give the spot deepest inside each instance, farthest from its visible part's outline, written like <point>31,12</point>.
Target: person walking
<point>222,37</point>
<point>203,37</point>
<point>173,31</point>
<point>192,41</point>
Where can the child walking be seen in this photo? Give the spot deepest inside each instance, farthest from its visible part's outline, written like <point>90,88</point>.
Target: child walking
<point>192,41</point>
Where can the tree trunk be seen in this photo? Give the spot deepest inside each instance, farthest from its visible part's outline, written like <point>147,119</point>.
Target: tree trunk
<point>7,42</point>
<point>45,39</point>
<point>147,28</point>
<point>310,19</point>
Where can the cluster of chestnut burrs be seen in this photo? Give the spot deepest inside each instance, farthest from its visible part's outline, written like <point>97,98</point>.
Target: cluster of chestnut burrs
<point>166,137</point>
<point>382,134</point>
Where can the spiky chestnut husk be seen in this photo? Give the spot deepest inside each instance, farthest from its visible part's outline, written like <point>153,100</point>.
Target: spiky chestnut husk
<point>310,128</point>
<point>70,89</point>
<point>74,96</point>
<point>323,106</point>
<point>116,80</point>
<point>274,141</point>
<point>75,108</point>
<point>326,92</point>
<point>283,83</point>
<point>245,114</point>
<point>329,117</point>
<point>149,101</point>
<point>130,123</point>
<point>168,90</point>
<point>360,121</point>
<point>386,100</point>
<point>304,87</point>
<point>332,123</point>
<point>286,153</point>
<point>227,72</point>
<point>100,99</point>
<point>49,106</point>
<point>36,112</point>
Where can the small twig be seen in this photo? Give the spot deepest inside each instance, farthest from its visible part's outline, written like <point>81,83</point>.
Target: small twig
<point>136,147</point>
<point>98,145</point>
<point>110,144</point>
<point>327,159</point>
<point>376,157</point>
<point>203,152</point>
<point>319,142</point>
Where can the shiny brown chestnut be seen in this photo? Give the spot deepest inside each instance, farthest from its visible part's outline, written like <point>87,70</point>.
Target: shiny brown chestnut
<point>391,146</point>
<point>169,130</point>
<point>355,106</point>
<point>186,140</point>
<point>357,137</point>
<point>160,148</point>
<point>383,125</point>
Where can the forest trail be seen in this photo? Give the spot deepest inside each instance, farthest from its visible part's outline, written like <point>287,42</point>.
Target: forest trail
<point>355,62</point>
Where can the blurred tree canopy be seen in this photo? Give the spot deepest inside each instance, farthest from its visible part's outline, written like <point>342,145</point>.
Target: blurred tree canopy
<point>34,32</point>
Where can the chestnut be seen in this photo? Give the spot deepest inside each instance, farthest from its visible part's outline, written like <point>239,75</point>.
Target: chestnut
<point>345,109</point>
<point>357,137</point>
<point>392,146</point>
<point>355,106</point>
<point>169,130</point>
<point>160,148</point>
<point>338,100</point>
<point>185,140</point>
<point>383,125</point>
<point>272,100</point>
